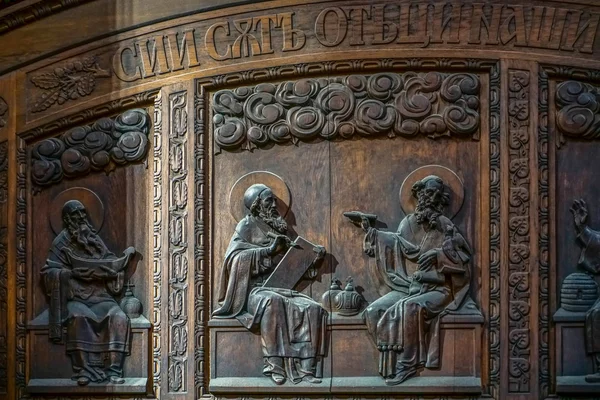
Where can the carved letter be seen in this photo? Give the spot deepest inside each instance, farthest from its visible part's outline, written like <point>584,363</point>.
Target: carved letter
<point>185,49</point>
<point>321,27</point>
<point>389,30</point>
<point>245,44</point>
<point>576,31</point>
<point>417,14</point>
<point>516,21</point>
<point>265,31</point>
<point>154,59</point>
<point>287,26</point>
<point>121,64</point>
<point>490,26</point>
<point>451,23</point>
<point>356,24</point>
<point>211,45</point>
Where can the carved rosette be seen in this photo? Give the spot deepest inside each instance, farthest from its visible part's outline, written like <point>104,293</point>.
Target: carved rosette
<point>519,227</point>
<point>101,146</point>
<point>410,104</point>
<point>578,110</point>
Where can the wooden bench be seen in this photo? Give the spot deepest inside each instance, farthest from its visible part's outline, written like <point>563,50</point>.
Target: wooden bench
<point>236,360</point>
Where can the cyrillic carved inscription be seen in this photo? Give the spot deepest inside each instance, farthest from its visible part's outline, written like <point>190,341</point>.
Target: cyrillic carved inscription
<point>432,104</point>
<point>578,110</point>
<point>101,146</point>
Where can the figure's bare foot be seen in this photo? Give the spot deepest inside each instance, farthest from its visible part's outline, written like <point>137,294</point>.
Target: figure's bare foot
<point>312,379</point>
<point>277,378</point>
<point>593,378</point>
<point>83,381</point>
<point>401,376</point>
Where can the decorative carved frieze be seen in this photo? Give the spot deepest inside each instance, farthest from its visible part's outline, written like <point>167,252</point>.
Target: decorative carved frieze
<point>178,244</point>
<point>101,146</point>
<point>410,104</point>
<point>494,239</point>
<point>71,81</point>
<point>578,109</point>
<point>519,301</point>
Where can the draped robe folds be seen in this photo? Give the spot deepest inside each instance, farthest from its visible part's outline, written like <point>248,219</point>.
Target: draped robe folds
<point>291,324</point>
<point>590,261</point>
<point>95,322</point>
<point>404,323</point>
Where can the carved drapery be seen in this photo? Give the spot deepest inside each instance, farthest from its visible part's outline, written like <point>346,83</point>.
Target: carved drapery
<point>409,104</point>
<point>101,146</point>
<point>519,229</point>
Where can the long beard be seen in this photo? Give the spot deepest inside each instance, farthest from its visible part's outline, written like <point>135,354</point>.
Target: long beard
<point>428,212</point>
<point>85,238</point>
<point>273,219</point>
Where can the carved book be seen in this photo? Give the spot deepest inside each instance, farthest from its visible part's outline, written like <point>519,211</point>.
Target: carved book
<point>293,265</point>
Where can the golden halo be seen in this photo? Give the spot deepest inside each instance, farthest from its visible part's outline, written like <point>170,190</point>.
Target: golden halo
<point>452,181</point>
<point>280,190</point>
<point>89,199</point>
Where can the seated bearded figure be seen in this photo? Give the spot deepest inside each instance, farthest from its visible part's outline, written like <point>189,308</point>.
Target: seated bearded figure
<point>82,278</point>
<point>291,324</point>
<point>425,264</point>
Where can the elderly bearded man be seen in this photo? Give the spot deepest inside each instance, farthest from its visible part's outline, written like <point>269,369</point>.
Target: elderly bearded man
<point>83,299</point>
<point>404,323</point>
<point>291,324</point>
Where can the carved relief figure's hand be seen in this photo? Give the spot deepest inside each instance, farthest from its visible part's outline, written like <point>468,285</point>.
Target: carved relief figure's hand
<point>130,251</point>
<point>365,224</point>
<point>428,259</point>
<point>580,213</point>
<point>320,250</point>
<point>418,276</point>
<point>280,243</point>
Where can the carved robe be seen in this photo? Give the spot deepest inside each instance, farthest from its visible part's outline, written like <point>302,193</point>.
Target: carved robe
<point>291,324</point>
<point>404,323</point>
<point>94,320</point>
<point>590,261</point>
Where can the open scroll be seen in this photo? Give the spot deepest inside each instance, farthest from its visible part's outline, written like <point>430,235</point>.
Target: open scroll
<point>296,261</point>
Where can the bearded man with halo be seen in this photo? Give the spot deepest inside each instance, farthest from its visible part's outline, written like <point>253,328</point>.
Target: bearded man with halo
<point>292,325</point>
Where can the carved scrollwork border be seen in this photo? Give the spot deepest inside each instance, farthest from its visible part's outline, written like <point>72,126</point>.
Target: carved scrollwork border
<point>23,141</point>
<point>3,267</point>
<point>491,67</point>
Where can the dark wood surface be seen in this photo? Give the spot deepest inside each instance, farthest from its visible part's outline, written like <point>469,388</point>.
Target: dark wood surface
<point>265,72</point>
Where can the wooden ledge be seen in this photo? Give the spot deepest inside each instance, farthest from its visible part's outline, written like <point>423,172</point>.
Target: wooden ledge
<point>575,385</point>
<point>363,385</point>
<point>563,315</point>
<point>68,386</point>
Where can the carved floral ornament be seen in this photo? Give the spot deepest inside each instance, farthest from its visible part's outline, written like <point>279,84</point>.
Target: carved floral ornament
<point>410,104</point>
<point>101,146</point>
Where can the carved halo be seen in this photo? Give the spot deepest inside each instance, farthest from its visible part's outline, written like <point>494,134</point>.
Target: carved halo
<point>89,199</point>
<point>279,187</point>
<point>452,181</point>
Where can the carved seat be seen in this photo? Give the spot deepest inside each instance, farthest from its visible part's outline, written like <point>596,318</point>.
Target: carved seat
<point>351,364</point>
<point>572,362</point>
<point>51,369</point>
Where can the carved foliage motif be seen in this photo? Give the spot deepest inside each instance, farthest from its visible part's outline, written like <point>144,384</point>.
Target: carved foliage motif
<point>100,146</point>
<point>578,110</point>
<point>3,266</point>
<point>410,104</point>
<point>178,243</point>
<point>3,112</point>
<point>519,227</point>
<point>70,82</point>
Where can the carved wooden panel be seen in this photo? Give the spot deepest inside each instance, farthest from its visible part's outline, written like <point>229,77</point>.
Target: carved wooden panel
<point>349,200</point>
